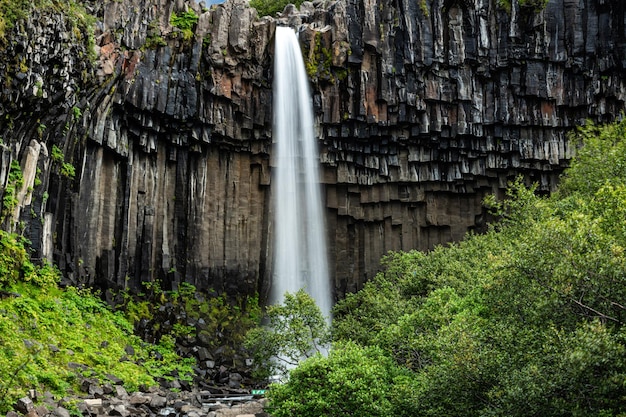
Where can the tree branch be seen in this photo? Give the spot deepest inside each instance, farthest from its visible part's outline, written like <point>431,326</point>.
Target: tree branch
<point>599,314</point>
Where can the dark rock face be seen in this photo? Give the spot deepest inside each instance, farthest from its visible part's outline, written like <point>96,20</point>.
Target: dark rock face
<point>424,107</point>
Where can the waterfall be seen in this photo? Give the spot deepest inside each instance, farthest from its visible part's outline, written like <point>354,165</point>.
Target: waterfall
<point>300,257</point>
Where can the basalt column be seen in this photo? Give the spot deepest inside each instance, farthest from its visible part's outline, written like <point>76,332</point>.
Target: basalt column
<point>148,158</point>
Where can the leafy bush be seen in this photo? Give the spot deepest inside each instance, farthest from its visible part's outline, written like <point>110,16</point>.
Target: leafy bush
<point>351,381</point>
<point>185,21</point>
<point>527,319</point>
<point>600,159</point>
<point>12,257</point>
<point>57,154</point>
<point>66,169</point>
<point>295,330</point>
<point>14,184</point>
<point>381,300</point>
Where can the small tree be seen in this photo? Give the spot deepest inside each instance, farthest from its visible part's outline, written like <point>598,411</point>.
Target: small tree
<point>351,381</point>
<point>294,331</point>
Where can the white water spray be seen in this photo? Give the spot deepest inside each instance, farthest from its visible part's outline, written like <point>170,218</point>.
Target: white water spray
<point>300,258</point>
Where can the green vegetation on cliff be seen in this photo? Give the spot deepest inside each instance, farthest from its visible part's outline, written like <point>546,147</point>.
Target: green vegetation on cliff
<point>185,21</point>
<point>52,338</point>
<point>271,7</point>
<point>535,5</point>
<point>14,11</point>
<point>293,331</point>
<point>527,319</point>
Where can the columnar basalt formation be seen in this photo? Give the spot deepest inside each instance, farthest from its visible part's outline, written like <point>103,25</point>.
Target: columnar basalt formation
<point>423,108</point>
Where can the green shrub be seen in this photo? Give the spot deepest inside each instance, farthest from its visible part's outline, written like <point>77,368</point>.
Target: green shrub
<point>351,381</point>
<point>14,261</point>
<point>295,330</point>
<point>186,22</point>
<point>44,329</point>
<point>57,154</point>
<point>600,158</point>
<point>14,184</point>
<point>67,170</point>
<point>526,319</point>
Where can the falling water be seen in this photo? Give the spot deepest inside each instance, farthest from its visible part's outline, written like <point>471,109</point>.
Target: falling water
<point>300,258</point>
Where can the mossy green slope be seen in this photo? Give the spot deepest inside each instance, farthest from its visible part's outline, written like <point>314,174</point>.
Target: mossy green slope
<point>50,338</point>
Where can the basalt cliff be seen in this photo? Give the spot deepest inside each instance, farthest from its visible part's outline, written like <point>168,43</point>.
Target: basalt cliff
<point>148,156</point>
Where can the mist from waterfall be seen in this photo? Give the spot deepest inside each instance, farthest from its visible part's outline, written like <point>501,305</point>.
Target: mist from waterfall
<point>300,253</point>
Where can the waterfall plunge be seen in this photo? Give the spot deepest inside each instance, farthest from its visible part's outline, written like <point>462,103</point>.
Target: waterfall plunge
<point>300,258</point>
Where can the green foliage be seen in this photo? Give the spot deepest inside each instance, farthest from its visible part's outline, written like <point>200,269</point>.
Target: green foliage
<point>14,183</point>
<point>50,338</point>
<point>600,159</point>
<point>505,4</point>
<point>424,7</point>
<point>318,61</point>
<point>295,330</point>
<point>379,303</point>
<point>534,5</point>
<point>77,112</point>
<point>186,22</point>
<point>37,181</point>
<point>66,169</point>
<point>44,329</point>
<point>272,7</point>
<point>11,11</point>
<point>154,37</point>
<point>162,361</point>
<point>14,261</point>
<point>526,319</point>
<point>41,128</point>
<point>14,11</point>
<point>57,154</point>
<point>226,320</point>
<point>351,381</point>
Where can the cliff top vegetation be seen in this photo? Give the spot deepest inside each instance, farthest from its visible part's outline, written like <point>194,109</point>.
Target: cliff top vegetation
<point>271,7</point>
<point>13,11</point>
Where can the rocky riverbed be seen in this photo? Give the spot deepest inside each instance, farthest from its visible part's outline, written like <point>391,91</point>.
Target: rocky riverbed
<point>114,400</point>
